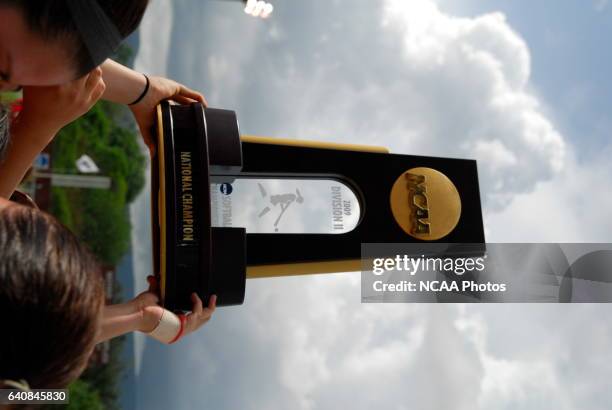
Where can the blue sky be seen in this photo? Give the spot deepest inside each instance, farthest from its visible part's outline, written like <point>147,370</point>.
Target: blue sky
<point>570,63</point>
<point>521,87</point>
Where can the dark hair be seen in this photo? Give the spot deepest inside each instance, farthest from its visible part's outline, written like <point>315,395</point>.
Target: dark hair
<point>53,20</point>
<point>51,296</point>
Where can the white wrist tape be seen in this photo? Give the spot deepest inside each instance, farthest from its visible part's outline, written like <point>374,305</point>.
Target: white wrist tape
<point>168,327</point>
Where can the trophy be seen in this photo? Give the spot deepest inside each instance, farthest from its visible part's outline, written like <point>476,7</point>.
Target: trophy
<point>227,207</point>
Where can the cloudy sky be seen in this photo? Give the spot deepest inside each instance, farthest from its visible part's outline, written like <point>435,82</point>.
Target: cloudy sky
<point>523,88</point>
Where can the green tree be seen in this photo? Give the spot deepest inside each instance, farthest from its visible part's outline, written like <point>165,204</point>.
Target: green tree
<point>81,396</point>
<point>105,378</point>
<point>100,217</point>
<point>136,162</point>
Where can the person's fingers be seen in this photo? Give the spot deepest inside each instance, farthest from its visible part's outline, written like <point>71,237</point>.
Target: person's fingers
<point>147,138</point>
<point>183,100</point>
<point>151,298</point>
<point>73,90</point>
<point>98,90</point>
<point>152,283</point>
<point>194,95</point>
<point>151,146</point>
<point>144,118</point>
<point>212,303</point>
<point>210,309</point>
<point>199,315</point>
<point>93,78</point>
<point>79,83</point>
<point>88,89</point>
<point>146,299</point>
<point>197,304</point>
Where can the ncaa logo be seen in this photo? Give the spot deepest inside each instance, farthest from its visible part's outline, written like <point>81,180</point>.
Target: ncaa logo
<point>425,203</point>
<point>226,188</point>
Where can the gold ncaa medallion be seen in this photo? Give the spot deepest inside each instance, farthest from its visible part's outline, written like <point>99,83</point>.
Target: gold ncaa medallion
<point>425,203</point>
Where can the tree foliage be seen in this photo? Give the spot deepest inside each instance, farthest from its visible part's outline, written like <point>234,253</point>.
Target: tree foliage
<point>99,217</point>
<point>81,396</point>
<point>104,378</point>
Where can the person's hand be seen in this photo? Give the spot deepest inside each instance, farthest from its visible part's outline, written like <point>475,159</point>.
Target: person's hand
<point>147,298</point>
<point>51,108</point>
<point>161,89</point>
<point>199,315</point>
<point>147,303</point>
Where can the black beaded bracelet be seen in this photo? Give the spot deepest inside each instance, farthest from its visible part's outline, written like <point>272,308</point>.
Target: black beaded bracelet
<point>144,92</point>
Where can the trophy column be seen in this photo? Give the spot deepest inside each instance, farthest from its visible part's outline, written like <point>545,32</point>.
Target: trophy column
<point>400,199</point>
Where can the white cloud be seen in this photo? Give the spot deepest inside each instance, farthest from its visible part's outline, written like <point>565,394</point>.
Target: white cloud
<point>572,207</point>
<point>415,79</point>
<point>478,69</point>
<point>499,155</point>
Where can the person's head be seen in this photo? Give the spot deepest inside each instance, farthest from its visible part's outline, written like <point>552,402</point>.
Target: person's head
<point>55,41</point>
<point>51,299</point>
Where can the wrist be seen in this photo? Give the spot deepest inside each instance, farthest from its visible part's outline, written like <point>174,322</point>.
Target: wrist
<point>124,85</point>
<point>150,317</point>
<point>170,328</point>
<point>144,93</point>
